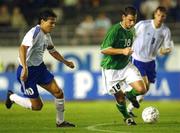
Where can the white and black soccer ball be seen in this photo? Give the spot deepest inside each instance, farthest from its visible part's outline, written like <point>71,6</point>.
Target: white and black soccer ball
<point>150,115</point>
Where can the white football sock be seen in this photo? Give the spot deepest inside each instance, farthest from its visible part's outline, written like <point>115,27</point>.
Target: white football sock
<point>140,98</point>
<point>60,110</point>
<point>130,107</point>
<point>22,101</point>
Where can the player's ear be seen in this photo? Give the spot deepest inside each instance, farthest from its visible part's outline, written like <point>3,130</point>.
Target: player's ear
<point>123,17</point>
<point>41,21</point>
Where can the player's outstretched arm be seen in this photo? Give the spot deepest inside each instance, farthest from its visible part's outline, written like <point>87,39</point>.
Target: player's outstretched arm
<point>60,58</point>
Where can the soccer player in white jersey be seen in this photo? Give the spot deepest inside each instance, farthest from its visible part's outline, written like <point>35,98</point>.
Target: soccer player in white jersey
<point>152,37</point>
<point>32,70</point>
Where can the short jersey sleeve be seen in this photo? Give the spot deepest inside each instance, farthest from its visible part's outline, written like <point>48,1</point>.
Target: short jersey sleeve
<point>109,38</point>
<point>28,39</point>
<point>138,28</point>
<point>31,36</point>
<point>168,43</point>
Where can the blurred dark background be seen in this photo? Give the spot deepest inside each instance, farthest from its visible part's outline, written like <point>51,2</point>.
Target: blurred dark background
<point>80,22</point>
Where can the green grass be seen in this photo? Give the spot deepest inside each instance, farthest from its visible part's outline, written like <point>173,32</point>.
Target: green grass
<point>90,117</point>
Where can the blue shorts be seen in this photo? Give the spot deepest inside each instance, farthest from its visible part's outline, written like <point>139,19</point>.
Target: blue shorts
<point>37,75</point>
<point>146,69</point>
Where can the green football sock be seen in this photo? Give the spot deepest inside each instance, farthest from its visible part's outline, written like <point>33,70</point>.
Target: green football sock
<point>132,93</point>
<point>122,108</point>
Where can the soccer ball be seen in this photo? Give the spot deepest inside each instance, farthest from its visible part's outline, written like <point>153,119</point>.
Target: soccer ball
<point>150,115</point>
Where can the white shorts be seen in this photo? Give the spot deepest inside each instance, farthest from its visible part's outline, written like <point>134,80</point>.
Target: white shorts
<point>116,80</point>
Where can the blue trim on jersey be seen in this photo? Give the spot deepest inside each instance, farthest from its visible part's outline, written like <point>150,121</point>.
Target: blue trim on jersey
<point>146,69</point>
<point>37,30</point>
<point>37,75</point>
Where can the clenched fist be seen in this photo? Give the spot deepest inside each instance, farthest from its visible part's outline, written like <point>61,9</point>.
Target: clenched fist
<point>127,51</point>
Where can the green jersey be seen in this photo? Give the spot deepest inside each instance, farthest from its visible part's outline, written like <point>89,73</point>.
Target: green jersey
<point>117,37</point>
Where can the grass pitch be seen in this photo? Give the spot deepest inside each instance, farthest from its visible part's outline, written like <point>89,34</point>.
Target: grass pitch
<point>89,117</point>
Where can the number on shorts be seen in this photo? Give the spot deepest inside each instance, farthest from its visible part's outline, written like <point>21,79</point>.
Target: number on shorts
<point>117,87</point>
<point>29,91</point>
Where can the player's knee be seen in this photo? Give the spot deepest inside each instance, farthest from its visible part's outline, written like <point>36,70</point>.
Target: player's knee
<point>142,90</point>
<point>59,94</point>
<point>37,107</point>
<point>121,100</point>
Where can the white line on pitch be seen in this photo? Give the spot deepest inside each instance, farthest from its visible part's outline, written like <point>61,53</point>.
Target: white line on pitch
<point>95,128</point>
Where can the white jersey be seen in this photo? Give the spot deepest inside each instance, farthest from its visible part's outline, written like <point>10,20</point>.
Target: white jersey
<point>149,39</point>
<point>37,41</point>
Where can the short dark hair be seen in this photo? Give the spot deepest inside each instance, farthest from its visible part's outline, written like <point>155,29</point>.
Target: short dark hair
<point>161,9</point>
<point>45,14</point>
<point>130,10</point>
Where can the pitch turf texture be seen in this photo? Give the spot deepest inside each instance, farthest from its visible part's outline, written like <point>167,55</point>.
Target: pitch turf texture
<point>89,117</point>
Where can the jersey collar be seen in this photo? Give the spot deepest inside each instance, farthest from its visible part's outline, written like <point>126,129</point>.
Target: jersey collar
<point>123,27</point>
<point>152,22</point>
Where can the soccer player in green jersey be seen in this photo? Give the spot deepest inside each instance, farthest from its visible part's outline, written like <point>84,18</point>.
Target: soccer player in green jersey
<point>117,70</point>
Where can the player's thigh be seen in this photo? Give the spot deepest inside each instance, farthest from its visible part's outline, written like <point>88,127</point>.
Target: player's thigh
<point>134,79</point>
<point>146,81</point>
<point>112,80</point>
<point>53,88</point>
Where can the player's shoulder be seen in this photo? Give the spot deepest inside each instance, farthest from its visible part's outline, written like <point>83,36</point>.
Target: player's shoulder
<point>165,27</point>
<point>34,31</point>
<point>144,22</point>
<point>115,26</point>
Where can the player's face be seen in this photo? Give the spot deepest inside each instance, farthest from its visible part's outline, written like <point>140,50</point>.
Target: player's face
<point>129,21</point>
<point>159,17</point>
<point>48,26</point>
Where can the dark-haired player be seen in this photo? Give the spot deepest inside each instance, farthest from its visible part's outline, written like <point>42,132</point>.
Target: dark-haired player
<point>117,70</point>
<point>32,70</point>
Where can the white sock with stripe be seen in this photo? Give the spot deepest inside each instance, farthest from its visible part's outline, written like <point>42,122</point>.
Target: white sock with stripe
<point>59,103</point>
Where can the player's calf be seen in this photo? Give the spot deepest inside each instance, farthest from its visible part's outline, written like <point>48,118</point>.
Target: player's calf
<point>132,99</point>
<point>132,114</point>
